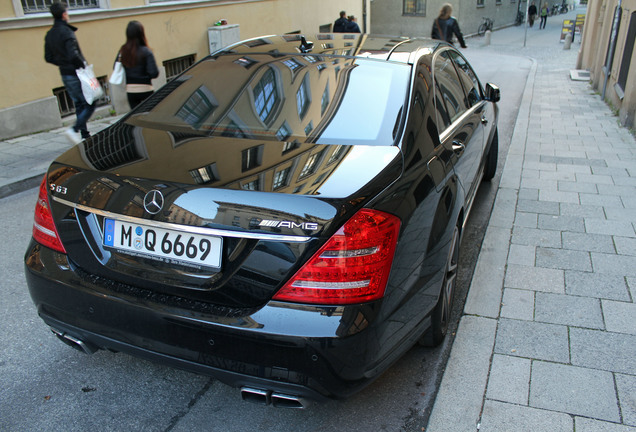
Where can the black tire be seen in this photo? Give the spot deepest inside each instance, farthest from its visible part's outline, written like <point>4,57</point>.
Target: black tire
<point>482,29</point>
<point>490,166</point>
<point>441,315</point>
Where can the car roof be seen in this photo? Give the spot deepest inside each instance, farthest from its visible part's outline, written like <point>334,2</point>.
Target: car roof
<point>357,45</point>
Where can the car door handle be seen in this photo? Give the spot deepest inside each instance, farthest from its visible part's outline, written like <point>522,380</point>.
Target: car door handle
<point>484,121</point>
<point>458,147</point>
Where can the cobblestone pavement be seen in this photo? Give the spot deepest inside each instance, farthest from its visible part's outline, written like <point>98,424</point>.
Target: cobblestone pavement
<point>547,340</point>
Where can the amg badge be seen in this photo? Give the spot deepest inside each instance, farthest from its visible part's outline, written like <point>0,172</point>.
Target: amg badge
<point>310,226</point>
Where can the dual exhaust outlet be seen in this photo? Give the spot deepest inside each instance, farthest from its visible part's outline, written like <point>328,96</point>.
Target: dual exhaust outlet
<point>268,397</point>
<point>259,396</point>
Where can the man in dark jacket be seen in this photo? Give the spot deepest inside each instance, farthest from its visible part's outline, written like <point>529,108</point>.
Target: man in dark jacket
<point>340,25</point>
<point>61,49</point>
<point>445,26</point>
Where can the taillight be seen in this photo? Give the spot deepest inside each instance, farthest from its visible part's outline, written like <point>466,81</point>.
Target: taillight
<point>44,231</point>
<point>352,267</point>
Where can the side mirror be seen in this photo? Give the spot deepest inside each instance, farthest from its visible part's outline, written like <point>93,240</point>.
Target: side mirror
<point>492,93</point>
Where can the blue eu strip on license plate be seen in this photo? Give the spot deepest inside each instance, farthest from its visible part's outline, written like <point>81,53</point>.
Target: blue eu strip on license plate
<point>169,246</point>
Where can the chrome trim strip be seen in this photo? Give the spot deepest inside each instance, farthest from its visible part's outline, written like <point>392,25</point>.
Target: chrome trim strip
<point>188,229</point>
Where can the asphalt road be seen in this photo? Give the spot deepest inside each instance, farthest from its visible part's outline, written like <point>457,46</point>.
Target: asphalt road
<point>47,386</point>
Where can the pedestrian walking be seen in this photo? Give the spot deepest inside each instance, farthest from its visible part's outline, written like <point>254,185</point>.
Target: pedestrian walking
<point>340,25</point>
<point>445,26</point>
<point>532,14</point>
<point>139,64</point>
<point>544,15</point>
<point>62,49</point>
<point>352,25</point>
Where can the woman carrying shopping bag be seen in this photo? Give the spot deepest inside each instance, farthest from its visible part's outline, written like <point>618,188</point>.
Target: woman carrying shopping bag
<point>139,64</point>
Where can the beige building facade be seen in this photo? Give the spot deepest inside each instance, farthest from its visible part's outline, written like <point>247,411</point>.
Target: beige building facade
<point>416,17</point>
<point>179,32</point>
<point>608,46</point>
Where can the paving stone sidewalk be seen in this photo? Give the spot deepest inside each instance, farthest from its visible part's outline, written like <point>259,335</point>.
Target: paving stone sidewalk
<point>24,160</point>
<point>547,340</point>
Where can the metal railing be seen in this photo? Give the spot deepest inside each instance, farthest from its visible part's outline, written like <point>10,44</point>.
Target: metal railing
<point>36,6</point>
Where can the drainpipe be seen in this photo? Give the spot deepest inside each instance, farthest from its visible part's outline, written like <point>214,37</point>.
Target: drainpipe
<point>612,47</point>
<point>364,16</point>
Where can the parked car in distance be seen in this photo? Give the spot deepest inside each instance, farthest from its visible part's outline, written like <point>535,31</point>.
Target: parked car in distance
<point>285,215</point>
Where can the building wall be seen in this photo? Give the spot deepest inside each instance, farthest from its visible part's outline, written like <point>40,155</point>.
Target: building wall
<point>593,54</point>
<point>173,29</point>
<point>387,16</point>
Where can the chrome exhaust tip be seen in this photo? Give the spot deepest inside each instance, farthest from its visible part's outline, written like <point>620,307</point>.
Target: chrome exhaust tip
<point>257,396</point>
<point>268,397</point>
<point>73,342</point>
<point>280,400</point>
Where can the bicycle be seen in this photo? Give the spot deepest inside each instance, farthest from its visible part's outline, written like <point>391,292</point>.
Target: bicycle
<point>520,18</point>
<point>485,26</point>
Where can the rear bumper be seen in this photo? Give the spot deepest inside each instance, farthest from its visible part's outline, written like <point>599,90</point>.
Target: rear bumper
<point>300,350</point>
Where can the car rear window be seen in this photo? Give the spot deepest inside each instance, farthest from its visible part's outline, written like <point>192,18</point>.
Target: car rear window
<point>303,98</point>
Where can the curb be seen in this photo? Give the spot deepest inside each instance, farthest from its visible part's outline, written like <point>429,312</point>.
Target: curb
<point>471,356</point>
<point>20,185</point>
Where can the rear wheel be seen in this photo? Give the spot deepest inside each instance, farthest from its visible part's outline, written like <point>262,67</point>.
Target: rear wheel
<point>441,315</point>
<point>482,29</point>
<point>490,167</point>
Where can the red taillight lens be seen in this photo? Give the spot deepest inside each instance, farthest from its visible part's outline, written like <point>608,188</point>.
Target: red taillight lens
<point>44,231</point>
<point>352,267</point>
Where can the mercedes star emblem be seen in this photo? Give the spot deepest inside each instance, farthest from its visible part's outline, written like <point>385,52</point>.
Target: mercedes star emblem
<point>153,201</point>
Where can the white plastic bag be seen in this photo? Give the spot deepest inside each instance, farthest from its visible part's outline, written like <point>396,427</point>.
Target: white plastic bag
<point>91,88</point>
<point>118,77</point>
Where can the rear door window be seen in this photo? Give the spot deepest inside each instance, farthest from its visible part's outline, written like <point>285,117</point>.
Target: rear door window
<point>469,80</point>
<point>450,99</point>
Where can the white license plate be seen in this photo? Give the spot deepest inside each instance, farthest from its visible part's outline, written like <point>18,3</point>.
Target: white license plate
<point>169,246</point>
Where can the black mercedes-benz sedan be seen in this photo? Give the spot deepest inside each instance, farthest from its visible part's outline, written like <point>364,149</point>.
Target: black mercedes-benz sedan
<point>285,215</point>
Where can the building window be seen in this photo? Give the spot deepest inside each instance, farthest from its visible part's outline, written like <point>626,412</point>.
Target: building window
<point>303,98</point>
<point>309,128</point>
<point>251,158</point>
<point>206,174</point>
<point>281,178</point>
<point>324,103</point>
<point>290,145</point>
<point>283,132</point>
<point>199,106</point>
<point>311,165</point>
<point>254,185</point>
<point>414,7</point>
<point>293,64</point>
<point>177,65</point>
<point>480,3</point>
<point>627,53</point>
<point>36,6</point>
<point>336,155</point>
<point>266,96</point>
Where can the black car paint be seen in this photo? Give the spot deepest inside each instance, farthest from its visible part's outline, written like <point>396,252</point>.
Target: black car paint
<point>224,323</point>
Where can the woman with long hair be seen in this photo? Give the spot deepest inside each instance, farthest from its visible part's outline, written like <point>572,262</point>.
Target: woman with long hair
<point>139,64</point>
<point>445,26</point>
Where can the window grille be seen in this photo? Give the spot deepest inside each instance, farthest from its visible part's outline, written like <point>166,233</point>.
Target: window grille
<point>177,65</point>
<point>36,6</point>
<point>414,7</point>
<point>66,105</point>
